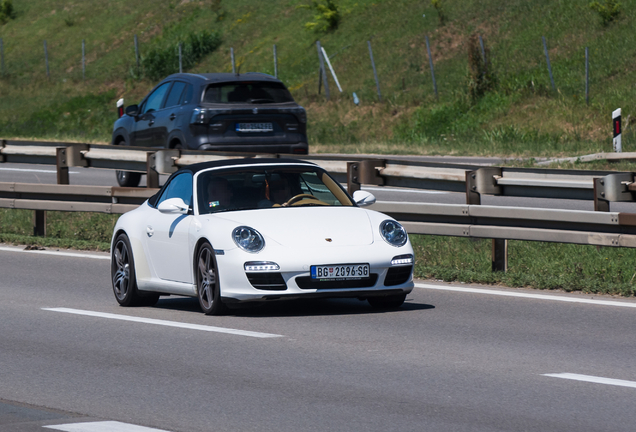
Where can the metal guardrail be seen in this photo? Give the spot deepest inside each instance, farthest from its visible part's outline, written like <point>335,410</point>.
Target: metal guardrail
<point>474,180</point>
<point>601,227</point>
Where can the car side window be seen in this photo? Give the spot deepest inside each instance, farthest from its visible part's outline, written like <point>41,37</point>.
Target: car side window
<point>179,187</point>
<point>186,97</point>
<point>175,94</point>
<point>153,103</point>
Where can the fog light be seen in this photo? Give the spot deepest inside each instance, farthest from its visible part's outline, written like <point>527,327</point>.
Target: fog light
<point>261,266</point>
<point>402,260</point>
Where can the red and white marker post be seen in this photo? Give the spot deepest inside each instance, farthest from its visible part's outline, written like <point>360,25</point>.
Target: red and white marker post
<point>616,126</point>
<point>120,107</point>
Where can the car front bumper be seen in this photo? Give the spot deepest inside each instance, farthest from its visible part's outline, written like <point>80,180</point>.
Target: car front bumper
<point>293,279</point>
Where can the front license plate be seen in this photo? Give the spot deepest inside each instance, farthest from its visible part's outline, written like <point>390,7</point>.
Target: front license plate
<point>254,127</point>
<point>340,271</point>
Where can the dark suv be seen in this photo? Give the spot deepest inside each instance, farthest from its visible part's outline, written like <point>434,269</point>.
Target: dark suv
<point>251,112</point>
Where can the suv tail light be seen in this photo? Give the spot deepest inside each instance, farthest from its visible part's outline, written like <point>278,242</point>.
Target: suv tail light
<point>204,115</point>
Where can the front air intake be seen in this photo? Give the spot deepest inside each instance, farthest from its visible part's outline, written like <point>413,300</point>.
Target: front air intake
<point>267,281</point>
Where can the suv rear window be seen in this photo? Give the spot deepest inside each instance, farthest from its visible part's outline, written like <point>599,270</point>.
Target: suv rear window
<point>247,92</point>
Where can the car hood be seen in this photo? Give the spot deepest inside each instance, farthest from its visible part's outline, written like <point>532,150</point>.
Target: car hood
<point>304,227</point>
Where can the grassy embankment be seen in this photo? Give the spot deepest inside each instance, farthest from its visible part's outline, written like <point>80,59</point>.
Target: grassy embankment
<point>521,116</point>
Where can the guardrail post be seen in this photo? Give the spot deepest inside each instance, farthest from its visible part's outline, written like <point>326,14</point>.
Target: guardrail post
<point>499,255</point>
<point>612,188</point>
<point>2,144</point>
<point>483,181</point>
<point>353,180</point>
<point>152,176</point>
<point>39,223</point>
<point>62,165</point>
<point>364,172</point>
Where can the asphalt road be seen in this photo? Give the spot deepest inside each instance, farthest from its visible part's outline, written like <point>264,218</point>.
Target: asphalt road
<point>446,361</point>
<point>46,174</point>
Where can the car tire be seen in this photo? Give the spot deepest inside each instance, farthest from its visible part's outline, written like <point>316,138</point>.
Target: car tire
<point>208,287</point>
<point>387,302</point>
<point>122,271</point>
<point>127,178</point>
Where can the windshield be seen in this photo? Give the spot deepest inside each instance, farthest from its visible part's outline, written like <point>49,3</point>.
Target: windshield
<point>259,92</point>
<point>267,188</point>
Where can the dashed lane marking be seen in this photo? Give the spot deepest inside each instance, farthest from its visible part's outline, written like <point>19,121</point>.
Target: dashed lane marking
<point>103,426</point>
<point>593,379</point>
<point>164,323</point>
<point>35,170</point>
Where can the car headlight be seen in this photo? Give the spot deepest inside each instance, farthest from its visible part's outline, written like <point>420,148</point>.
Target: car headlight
<point>248,239</point>
<point>393,233</point>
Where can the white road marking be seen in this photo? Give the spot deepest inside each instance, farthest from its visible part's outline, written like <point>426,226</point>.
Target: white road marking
<point>59,253</point>
<point>526,295</point>
<point>35,170</point>
<point>164,323</point>
<point>392,190</point>
<point>103,426</point>
<point>593,379</point>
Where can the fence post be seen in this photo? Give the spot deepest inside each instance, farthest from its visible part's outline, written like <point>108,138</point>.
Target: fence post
<point>483,55</point>
<point>547,58</point>
<point>1,57</point>
<point>180,62</point>
<point>587,77</point>
<point>430,61</point>
<point>137,56</point>
<point>83,60</point>
<point>275,63</point>
<point>375,73</point>
<point>233,63</point>
<point>323,72</point>
<point>46,60</point>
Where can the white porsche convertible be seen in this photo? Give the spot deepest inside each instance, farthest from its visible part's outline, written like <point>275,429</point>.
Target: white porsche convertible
<point>258,230</point>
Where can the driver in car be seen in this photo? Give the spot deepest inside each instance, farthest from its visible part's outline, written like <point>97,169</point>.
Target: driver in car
<point>277,193</point>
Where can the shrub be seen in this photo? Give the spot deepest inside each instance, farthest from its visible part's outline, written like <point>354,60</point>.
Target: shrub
<point>437,4</point>
<point>608,11</point>
<point>327,15</point>
<point>480,71</point>
<point>6,11</point>
<point>163,60</point>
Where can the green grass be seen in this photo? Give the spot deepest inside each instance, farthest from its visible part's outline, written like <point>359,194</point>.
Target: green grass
<point>530,264</point>
<point>522,117</point>
<point>90,231</point>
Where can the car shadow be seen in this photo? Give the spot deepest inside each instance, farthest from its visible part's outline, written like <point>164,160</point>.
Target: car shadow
<point>293,308</point>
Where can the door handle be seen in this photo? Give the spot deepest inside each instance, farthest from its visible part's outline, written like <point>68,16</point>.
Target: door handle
<point>173,116</point>
<point>149,231</point>
<point>151,122</point>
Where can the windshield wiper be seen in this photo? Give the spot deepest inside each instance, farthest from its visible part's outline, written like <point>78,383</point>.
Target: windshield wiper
<point>260,101</point>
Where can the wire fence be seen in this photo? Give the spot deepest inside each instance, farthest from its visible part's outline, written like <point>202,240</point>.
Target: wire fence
<point>322,60</point>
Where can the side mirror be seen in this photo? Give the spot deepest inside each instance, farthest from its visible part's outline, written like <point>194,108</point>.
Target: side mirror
<point>173,205</point>
<point>132,110</point>
<point>363,198</point>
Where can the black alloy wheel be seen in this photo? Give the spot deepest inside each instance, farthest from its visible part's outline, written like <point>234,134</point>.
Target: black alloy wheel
<point>208,289</point>
<point>122,270</point>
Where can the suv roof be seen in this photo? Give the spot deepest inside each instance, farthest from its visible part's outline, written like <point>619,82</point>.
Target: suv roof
<point>227,77</point>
